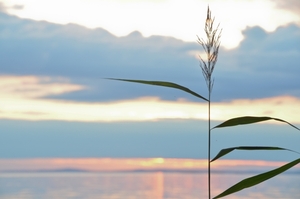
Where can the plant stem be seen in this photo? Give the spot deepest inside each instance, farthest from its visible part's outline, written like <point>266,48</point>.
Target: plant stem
<point>211,47</point>
<point>209,142</point>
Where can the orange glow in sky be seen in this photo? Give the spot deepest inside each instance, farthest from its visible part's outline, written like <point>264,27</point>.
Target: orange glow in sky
<point>129,164</point>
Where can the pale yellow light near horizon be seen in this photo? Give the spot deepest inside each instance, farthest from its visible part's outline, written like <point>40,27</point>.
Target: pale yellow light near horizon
<point>30,103</point>
<point>180,19</point>
<point>129,164</point>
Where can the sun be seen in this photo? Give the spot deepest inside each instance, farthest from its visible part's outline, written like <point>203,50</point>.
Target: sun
<point>159,160</point>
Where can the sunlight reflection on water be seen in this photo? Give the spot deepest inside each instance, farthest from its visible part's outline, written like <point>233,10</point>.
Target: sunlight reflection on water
<point>143,185</point>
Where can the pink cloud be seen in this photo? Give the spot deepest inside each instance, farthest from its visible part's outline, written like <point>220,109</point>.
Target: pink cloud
<point>121,164</point>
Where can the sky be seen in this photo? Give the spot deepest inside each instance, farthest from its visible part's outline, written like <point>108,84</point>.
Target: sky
<point>56,103</point>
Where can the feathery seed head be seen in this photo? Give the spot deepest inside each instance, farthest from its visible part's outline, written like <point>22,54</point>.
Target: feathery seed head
<point>211,47</point>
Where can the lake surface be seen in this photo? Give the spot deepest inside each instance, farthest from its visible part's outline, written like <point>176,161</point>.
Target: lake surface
<point>138,185</point>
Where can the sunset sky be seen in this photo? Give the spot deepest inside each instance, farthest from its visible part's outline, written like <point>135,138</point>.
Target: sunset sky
<point>55,102</point>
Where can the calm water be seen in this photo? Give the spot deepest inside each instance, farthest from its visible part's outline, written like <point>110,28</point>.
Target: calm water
<point>155,185</point>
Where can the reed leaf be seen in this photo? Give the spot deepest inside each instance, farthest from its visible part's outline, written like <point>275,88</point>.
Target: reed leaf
<point>228,150</point>
<point>249,120</point>
<point>254,180</point>
<point>164,84</point>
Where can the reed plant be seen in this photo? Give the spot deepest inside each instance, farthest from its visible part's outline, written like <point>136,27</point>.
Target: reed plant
<point>211,46</point>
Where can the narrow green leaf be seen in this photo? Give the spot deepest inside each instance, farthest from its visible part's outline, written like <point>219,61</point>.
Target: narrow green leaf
<point>249,120</point>
<point>165,84</point>
<point>228,150</point>
<point>252,181</point>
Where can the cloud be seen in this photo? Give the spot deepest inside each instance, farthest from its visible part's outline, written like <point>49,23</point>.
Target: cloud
<point>182,19</point>
<point>4,8</point>
<point>18,7</point>
<point>21,99</point>
<point>264,65</point>
<point>35,87</point>
<point>53,72</point>
<point>290,5</point>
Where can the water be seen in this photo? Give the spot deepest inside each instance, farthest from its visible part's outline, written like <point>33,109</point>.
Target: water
<point>137,185</point>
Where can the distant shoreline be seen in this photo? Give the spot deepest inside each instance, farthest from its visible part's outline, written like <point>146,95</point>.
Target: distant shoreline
<point>195,171</point>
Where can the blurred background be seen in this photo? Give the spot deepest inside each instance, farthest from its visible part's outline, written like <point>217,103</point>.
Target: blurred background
<point>55,102</point>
